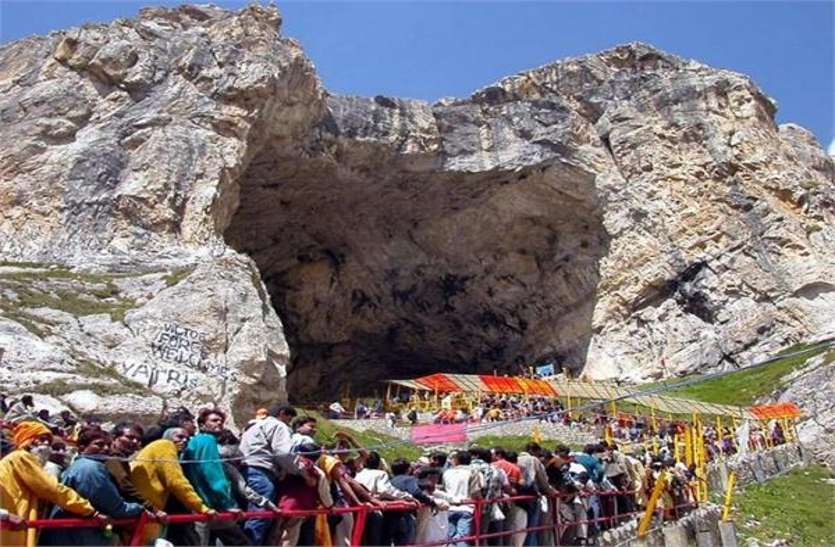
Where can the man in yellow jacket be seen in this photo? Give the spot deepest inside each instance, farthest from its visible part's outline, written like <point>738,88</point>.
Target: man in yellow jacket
<point>156,473</point>
<point>23,483</point>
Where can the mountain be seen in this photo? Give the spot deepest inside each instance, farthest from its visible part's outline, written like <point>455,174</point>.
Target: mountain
<point>190,217</point>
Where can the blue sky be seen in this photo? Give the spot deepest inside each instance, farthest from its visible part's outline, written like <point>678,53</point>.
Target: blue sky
<point>428,50</point>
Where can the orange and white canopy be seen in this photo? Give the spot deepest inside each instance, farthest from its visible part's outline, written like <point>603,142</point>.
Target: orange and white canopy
<point>480,383</point>
<point>601,391</point>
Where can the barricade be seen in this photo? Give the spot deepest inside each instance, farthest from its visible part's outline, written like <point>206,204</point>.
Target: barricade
<point>552,520</point>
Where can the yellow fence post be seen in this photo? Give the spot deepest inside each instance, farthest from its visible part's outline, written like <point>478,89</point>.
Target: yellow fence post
<point>536,435</point>
<point>688,445</point>
<point>657,491</point>
<point>726,509</point>
<point>701,465</point>
<point>694,456</point>
<point>784,423</point>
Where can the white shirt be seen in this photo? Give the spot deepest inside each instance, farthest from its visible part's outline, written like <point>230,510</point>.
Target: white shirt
<point>298,439</point>
<point>461,483</point>
<point>268,443</point>
<point>378,483</point>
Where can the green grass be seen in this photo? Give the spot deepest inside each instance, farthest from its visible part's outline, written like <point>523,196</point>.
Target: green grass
<point>400,449</point>
<point>22,264</point>
<point>746,386</point>
<point>56,388</point>
<point>508,442</point>
<point>798,507</point>
<point>515,442</point>
<point>34,324</point>
<point>176,276</point>
<point>87,368</point>
<point>103,298</point>
<point>405,449</point>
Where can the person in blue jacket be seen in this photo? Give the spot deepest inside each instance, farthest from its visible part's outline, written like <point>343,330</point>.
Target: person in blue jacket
<point>204,469</point>
<point>591,458</point>
<point>88,476</point>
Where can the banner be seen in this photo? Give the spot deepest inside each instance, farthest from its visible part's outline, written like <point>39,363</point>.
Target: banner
<point>545,370</point>
<point>439,433</point>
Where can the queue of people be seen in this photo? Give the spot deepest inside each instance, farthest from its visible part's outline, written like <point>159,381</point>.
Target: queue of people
<point>194,464</point>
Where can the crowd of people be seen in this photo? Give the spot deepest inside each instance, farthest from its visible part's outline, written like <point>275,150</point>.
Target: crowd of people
<point>719,440</point>
<point>64,466</point>
<point>498,408</point>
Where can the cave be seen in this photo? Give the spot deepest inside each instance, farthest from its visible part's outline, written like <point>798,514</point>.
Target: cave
<point>384,265</point>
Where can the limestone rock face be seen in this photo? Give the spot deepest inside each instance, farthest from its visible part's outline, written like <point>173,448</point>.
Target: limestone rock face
<point>122,147</point>
<point>183,176</point>
<point>128,344</point>
<point>811,388</point>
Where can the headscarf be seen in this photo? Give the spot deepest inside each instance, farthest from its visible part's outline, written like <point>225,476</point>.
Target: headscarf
<point>169,433</point>
<point>26,432</point>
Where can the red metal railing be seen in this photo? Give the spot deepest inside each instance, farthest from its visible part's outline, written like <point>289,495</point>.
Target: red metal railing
<point>555,523</point>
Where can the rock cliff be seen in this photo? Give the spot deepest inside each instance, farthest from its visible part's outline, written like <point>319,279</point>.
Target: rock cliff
<point>173,184</point>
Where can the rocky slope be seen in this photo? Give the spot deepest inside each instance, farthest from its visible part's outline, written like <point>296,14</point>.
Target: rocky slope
<point>811,387</point>
<point>629,213</point>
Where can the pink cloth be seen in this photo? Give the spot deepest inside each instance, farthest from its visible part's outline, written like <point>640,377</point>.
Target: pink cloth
<point>439,433</point>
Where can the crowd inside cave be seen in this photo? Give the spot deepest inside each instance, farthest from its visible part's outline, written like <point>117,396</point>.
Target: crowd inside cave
<point>62,466</point>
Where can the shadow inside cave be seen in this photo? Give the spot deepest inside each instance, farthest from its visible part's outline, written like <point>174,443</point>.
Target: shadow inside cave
<point>379,270</point>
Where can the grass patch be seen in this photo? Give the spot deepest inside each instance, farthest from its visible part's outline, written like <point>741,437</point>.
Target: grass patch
<point>56,388</point>
<point>400,449</point>
<point>178,275</point>
<point>405,449</point>
<point>22,264</point>
<point>85,367</point>
<point>77,302</point>
<point>516,442</point>
<point>746,386</point>
<point>34,324</point>
<point>798,507</point>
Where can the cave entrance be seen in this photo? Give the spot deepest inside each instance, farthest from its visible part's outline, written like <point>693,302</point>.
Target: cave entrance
<point>379,271</point>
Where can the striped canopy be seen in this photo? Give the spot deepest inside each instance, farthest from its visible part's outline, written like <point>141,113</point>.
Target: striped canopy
<point>601,391</point>
<point>479,383</point>
<point>779,410</point>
